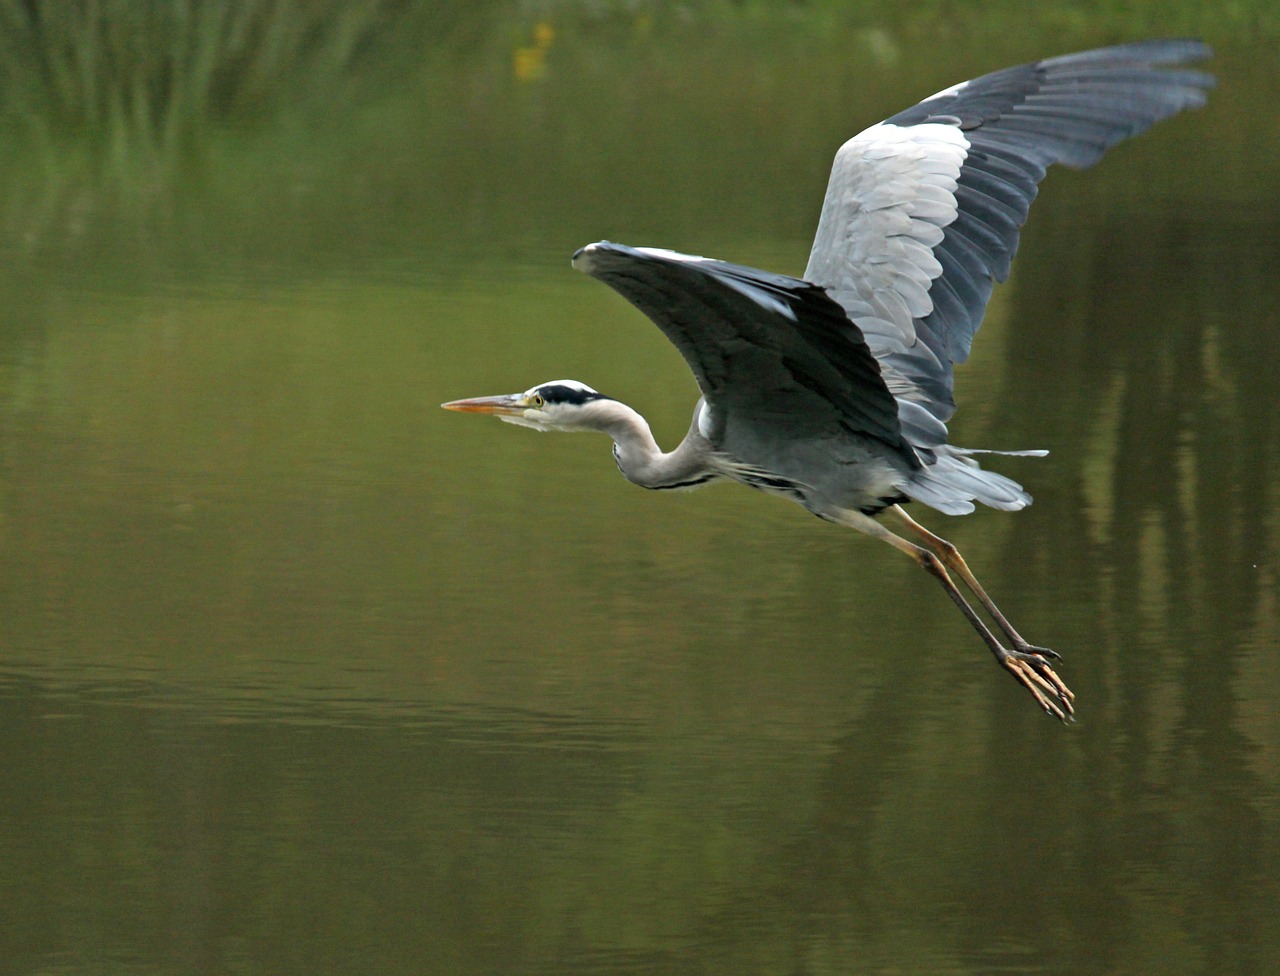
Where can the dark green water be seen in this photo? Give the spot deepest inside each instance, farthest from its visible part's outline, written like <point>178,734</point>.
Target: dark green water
<point>300,674</point>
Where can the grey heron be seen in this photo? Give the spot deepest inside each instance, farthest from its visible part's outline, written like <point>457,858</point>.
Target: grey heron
<point>835,389</point>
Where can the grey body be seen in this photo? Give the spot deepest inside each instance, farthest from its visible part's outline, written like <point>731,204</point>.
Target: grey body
<point>835,389</point>
<point>826,471</point>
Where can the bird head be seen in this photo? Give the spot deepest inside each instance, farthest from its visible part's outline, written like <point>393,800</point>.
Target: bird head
<point>559,405</point>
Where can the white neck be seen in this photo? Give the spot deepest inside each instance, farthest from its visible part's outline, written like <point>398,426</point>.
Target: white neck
<point>640,459</point>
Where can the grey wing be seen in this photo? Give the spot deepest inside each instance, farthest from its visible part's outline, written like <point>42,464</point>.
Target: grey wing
<point>769,352</point>
<point>922,211</point>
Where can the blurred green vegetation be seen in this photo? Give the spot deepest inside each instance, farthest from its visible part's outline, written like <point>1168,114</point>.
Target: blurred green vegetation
<point>140,80</point>
<point>100,66</point>
<point>177,123</point>
<point>139,85</point>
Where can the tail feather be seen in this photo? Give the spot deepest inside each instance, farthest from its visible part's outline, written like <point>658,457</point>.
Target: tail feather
<point>954,481</point>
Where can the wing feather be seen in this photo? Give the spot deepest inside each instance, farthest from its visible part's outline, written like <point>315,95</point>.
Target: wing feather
<point>769,352</point>
<point>956,175</point>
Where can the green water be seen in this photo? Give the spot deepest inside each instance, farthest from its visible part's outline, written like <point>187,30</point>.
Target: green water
<point>300,674</point>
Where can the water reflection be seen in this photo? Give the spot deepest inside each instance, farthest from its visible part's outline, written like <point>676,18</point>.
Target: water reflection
<point>299,673</point>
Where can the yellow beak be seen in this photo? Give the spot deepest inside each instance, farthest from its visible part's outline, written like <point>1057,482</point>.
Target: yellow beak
<point>495,405</point>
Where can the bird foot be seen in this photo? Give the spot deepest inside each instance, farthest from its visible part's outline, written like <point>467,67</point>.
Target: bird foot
<point>1023,647</point>
<point>1030,666</point>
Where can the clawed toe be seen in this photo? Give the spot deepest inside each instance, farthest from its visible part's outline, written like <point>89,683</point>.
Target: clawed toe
<point>1032,649</point>
<point>1031,668</point>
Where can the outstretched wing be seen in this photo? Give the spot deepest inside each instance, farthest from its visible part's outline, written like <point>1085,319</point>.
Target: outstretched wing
<point>769,352</point>
<point>923,210</point>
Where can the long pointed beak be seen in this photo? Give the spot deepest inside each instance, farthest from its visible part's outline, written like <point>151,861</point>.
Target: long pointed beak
<point>495,405</point>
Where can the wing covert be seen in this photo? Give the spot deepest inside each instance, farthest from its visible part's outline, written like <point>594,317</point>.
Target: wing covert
<point>766,349</point>
<point>923,211</point>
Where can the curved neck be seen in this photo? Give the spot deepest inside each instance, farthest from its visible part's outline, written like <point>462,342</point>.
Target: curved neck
<point>640,459</point>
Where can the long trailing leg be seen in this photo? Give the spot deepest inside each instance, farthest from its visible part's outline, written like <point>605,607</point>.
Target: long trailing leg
<point>1029,667</point>
<point>952,559</point>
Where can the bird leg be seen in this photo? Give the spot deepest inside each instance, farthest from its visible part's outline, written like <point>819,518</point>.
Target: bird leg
<point>1028,664</point>
<point>952,559</point>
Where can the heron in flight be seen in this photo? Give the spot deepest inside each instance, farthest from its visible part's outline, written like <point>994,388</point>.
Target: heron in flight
<point>835,389</point>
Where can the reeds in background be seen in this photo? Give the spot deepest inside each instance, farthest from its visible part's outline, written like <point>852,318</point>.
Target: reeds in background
<point>141,76</point>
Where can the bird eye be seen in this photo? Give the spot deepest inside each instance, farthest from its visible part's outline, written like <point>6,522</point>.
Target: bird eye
<point>537,400</point>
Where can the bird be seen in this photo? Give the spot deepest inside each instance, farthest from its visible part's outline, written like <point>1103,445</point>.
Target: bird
<point>834,389</point>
